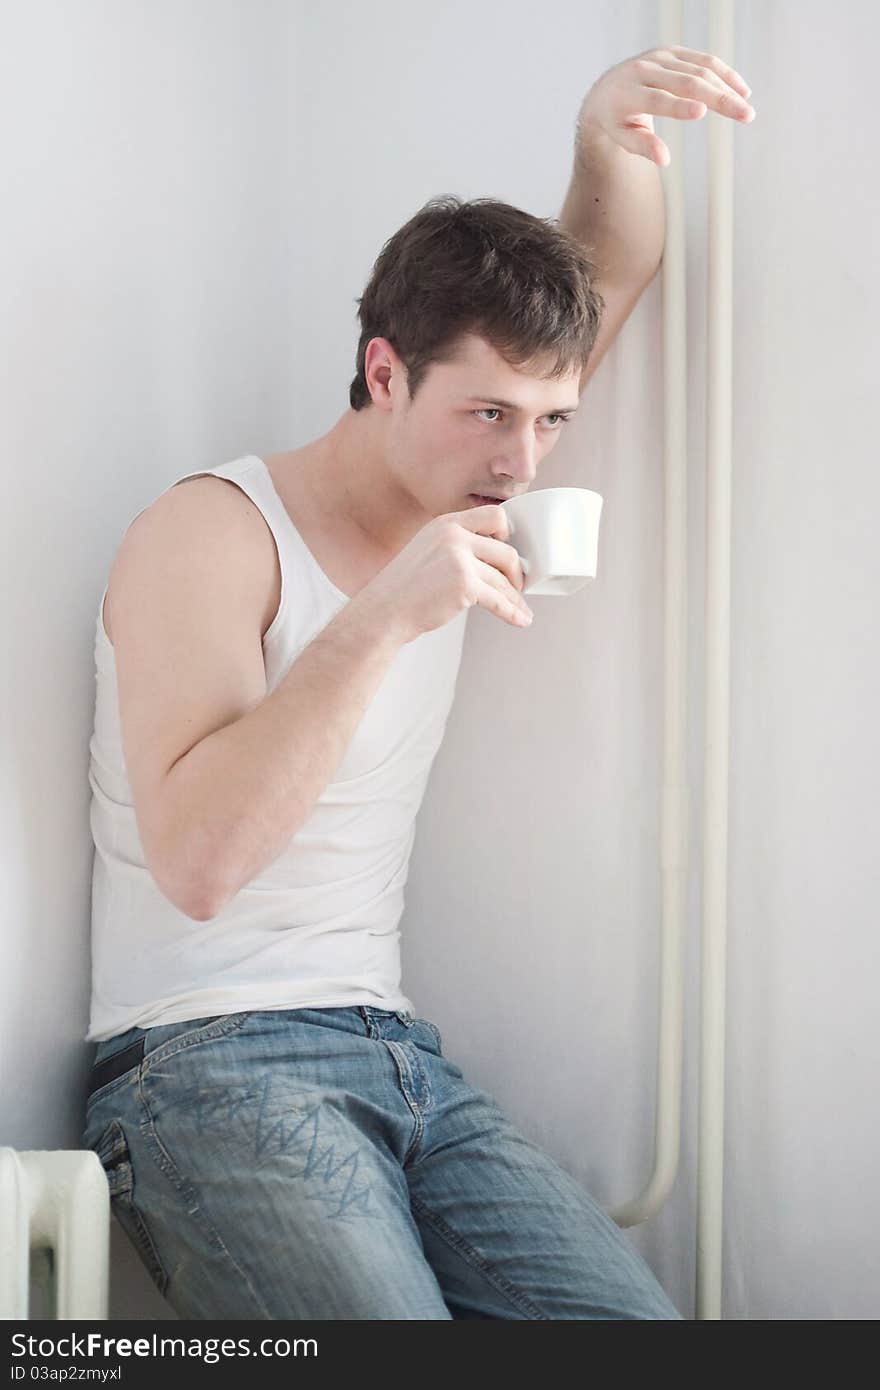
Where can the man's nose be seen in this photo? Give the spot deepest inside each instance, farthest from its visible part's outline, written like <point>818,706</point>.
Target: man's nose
<point>518,464</point>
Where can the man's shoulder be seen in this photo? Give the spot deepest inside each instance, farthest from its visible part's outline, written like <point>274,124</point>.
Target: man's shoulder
<point>202,511</point>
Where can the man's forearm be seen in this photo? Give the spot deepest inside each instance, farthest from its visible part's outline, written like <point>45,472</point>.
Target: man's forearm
<point>615,208</point>
<point>236,799</point>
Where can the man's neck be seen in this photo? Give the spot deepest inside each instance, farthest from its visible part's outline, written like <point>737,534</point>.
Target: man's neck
<point>348,478</point>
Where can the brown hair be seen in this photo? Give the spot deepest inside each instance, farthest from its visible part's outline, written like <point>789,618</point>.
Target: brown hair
<point>522,282</point>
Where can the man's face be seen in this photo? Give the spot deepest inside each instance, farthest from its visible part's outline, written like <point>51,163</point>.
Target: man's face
<point>478,428</point>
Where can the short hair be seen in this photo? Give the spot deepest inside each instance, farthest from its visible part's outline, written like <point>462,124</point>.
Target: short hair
<point>521,282</point>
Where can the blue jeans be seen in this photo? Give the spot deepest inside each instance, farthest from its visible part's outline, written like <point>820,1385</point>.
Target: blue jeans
<point>333,1164</point>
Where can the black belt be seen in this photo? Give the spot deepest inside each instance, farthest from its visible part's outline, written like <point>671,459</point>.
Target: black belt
<point>107,1070</point>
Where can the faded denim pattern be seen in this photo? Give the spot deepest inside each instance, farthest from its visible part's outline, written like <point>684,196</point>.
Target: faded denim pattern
<point>333,1164</point>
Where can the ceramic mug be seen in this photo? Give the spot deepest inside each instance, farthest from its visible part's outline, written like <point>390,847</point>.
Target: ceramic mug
<point>555,531</point>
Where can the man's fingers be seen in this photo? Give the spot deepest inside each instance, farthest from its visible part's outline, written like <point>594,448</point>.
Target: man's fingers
<point>501,597</point>
<point>489,520</point>
<point>502,556</point>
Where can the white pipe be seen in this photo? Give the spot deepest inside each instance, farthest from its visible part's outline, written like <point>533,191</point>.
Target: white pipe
<point>675,807</point>
<point>719,422</point>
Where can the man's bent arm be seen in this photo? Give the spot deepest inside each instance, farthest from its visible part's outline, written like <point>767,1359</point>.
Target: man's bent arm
<point>238,796</point>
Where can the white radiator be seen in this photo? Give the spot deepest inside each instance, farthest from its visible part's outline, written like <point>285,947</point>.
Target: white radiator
<point>56,1204</point>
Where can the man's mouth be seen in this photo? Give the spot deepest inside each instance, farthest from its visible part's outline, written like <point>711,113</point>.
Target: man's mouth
<point>480,499</point>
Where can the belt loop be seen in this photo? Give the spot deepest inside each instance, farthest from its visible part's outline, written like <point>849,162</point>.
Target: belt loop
<point>366,1014</point>
<point>405,1017</point>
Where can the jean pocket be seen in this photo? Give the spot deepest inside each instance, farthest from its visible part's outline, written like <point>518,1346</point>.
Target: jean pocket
<point>115,1158</point>
<point>435,1032</point>
<point>191,1034</point>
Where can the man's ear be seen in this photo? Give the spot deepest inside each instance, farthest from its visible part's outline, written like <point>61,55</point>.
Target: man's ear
<point>380,359</point>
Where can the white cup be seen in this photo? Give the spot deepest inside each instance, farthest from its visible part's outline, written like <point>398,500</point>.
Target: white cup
<point>555,531</point>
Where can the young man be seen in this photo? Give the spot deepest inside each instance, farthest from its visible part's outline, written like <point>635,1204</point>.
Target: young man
<point>276,662</point>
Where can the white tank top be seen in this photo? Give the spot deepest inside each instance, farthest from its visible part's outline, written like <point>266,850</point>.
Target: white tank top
<point>318,927</point>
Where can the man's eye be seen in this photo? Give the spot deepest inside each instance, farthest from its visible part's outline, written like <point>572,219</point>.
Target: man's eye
<point>493,410</point>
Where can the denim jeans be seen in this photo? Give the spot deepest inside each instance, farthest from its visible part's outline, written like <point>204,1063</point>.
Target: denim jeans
<point>333,1164</point>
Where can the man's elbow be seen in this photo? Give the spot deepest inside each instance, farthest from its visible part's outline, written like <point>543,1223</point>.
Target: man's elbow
<point>207,906</point>
<point>199,905</point>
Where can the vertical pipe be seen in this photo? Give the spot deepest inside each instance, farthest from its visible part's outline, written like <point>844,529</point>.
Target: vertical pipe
<point>710,1178</point>
<point>674,805</point>
<point>710,1174</point>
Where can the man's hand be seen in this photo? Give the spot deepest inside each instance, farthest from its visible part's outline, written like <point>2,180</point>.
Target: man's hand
<point>678,82</point>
